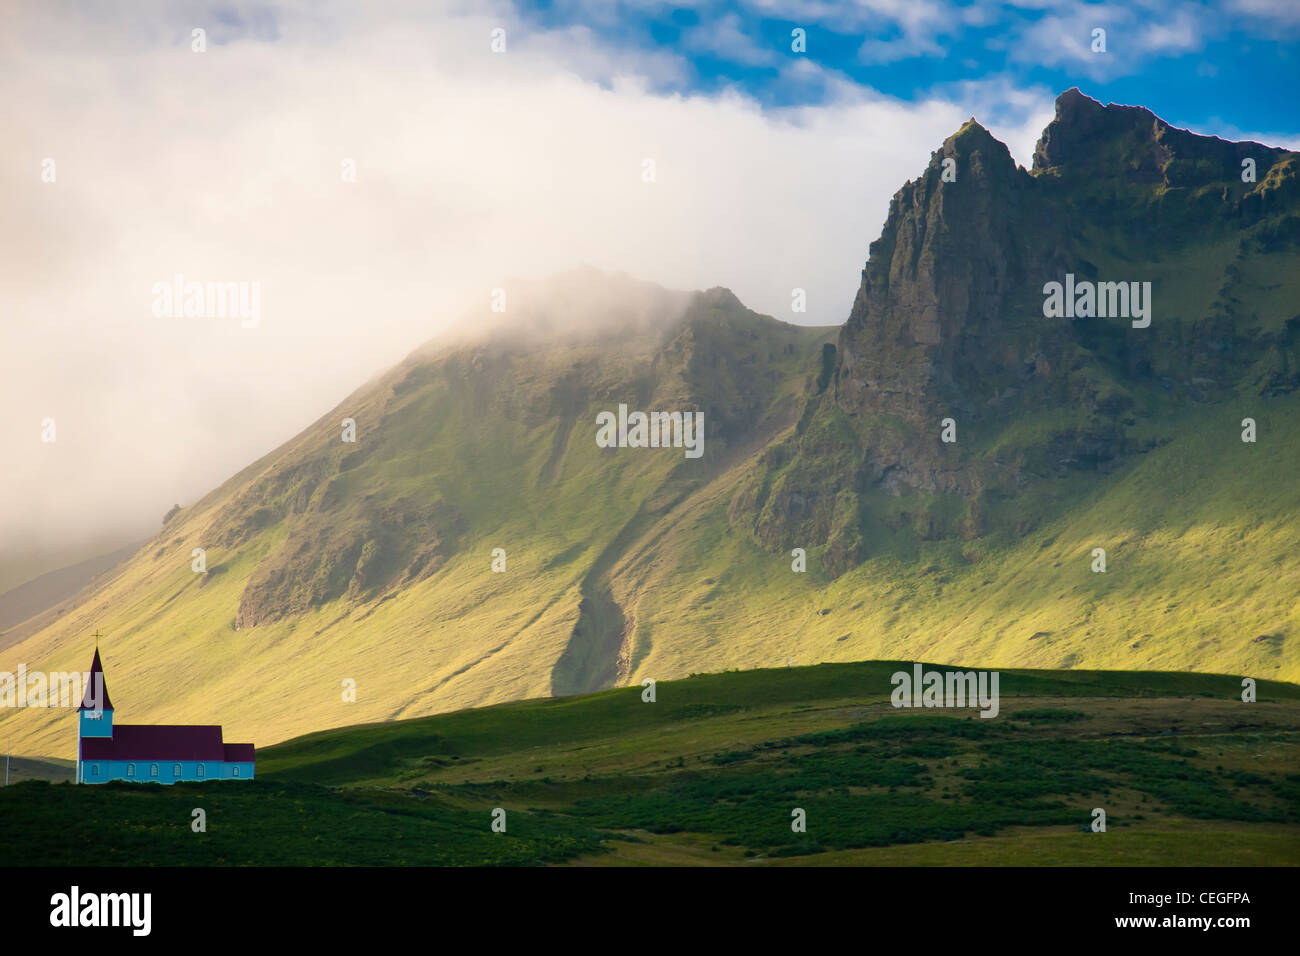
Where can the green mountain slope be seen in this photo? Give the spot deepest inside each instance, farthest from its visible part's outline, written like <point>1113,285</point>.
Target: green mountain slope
<point>329,562</point>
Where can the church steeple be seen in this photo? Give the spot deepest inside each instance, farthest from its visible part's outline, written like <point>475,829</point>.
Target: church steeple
<point>96,686</point>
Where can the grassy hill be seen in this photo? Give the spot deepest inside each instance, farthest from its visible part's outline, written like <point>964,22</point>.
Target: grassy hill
<point>711,770</point>
<point>1199,549</point>
<point>47,591</point>
<point>331,563</point>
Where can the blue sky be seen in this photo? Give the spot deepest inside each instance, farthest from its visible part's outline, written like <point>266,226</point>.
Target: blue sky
<point>1225,68</point>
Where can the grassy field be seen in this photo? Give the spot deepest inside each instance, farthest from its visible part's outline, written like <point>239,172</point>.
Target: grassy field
<point>711,770</point>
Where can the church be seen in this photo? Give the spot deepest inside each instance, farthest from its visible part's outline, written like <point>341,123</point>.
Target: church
<point>150,753</point>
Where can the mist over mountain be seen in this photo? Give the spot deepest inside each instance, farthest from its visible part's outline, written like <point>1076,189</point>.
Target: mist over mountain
<point>475,543</point>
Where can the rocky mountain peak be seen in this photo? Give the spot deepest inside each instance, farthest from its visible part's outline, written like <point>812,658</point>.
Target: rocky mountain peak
<point>949,325</point>
<point>1084,133</point>
<point>1131,145</point>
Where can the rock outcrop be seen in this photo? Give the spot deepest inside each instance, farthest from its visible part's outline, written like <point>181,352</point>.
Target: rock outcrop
<point>948,328</point>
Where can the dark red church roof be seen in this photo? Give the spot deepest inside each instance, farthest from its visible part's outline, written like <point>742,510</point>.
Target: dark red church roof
<point>240,753</point>
<point>98,684</point>
<point>158,742</point>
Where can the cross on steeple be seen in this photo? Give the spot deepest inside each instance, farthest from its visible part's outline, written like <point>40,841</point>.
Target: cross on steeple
<point>97,636</point>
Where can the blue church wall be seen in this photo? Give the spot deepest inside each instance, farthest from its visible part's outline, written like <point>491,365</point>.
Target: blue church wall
<point>168,771</point>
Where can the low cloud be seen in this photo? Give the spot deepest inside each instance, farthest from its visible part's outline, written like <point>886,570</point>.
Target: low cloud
<point>470,167</point>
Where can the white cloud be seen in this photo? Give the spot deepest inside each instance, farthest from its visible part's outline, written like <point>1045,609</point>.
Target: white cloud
<point>470,167</point>
<point>1135,33</point>
<point>1184,31</point>
<point>726,39</point>
<point>1282,12</point>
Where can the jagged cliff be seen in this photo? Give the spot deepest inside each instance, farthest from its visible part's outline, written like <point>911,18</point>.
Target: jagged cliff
<point>949,323</point>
